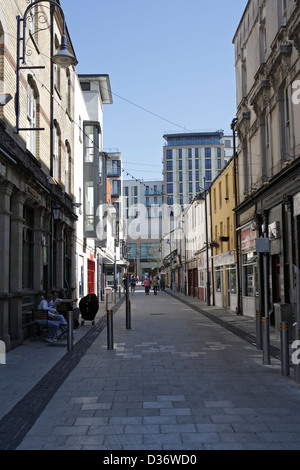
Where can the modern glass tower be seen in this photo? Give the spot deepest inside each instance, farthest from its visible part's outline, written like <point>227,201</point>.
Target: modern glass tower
<point>191,161</point>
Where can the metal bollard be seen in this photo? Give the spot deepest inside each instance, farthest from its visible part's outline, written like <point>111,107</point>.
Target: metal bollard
<point>128,315</point>
<point>110,333</point>
<point>266,336</point>
<point>285,354</point>
<point>258,331</point>
<point>70,331</point>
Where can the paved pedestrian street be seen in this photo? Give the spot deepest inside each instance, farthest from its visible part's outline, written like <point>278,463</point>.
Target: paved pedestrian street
<point>175,381</point>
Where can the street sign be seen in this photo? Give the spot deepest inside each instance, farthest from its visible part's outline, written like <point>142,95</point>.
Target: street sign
<point>262,245</point>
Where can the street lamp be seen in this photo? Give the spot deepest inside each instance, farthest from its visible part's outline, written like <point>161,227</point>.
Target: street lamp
<point>63,58</point>
<point>56,212</point>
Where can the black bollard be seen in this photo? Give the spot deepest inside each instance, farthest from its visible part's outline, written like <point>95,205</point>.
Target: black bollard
<point>110,333</point>
<point>70,331</point>
<point>266,336</point>
<point>284,334</point>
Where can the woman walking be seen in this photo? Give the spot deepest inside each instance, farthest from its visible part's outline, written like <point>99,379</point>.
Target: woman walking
<point>147,286</point>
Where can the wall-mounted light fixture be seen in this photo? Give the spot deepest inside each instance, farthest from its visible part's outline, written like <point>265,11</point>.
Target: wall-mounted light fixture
<point>63,58</point>
<point>5,98</point>
<point>56,210</point>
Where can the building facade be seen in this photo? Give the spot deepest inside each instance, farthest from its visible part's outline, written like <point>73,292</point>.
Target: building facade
<point>190,162</point>
<point>223,244</point>
<point>268,119</point>
<point>37,216</point>
<point>144,209</point>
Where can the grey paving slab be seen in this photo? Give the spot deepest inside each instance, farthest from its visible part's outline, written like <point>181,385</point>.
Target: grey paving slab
<point>177,380</point>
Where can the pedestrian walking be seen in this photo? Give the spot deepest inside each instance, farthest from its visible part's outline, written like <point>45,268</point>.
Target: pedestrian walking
<point>132,284</point>
<point>155,284</point>
<point>147,286</point>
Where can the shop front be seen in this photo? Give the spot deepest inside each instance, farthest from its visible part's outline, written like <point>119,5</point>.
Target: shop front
<point>249,270</point>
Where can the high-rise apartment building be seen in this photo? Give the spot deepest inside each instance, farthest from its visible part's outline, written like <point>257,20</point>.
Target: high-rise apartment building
<point>190,162</point>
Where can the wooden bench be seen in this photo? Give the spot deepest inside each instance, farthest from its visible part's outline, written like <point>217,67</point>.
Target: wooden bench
<point>40,319</point>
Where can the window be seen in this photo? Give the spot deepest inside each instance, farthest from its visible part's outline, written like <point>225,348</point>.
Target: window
<point>89,206</point>
<point>169,154</point>
<point>31,115</point>
<point>56,151</point>
<point>56,76</point>
<point>67,168</point>
<point>207,152</point>
<point>208,164</point>
<point>170,177</point>
<point>114,167</point>
<point>218,277</point>
<point>220,194</point>
<point>132,251</point>
<point>88,143</point>
<point>85,86</point>
<point>169,165</point>
<point>208,175</point>
<point>68,91</point>
<point>116,187</point>
<point>28,248</point>
<point>170,188</point>
<point>249,274</point>
<point>149,252</point>
<point>226,187</point>
<point>231,279</point>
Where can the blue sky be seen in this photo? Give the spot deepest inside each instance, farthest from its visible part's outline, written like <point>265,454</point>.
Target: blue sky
<point>171,67</point>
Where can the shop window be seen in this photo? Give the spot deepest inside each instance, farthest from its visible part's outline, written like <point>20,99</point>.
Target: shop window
<point>249,274</point>
<point>218,279</point>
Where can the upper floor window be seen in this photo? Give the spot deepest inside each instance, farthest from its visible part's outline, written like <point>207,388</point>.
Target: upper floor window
<point>56,151</point>
<point>90,143</point>
<point>208,153</point>
<point>67,168</point>
<point>68,91</point>
<point>32,101</point>
<point>56,67</point>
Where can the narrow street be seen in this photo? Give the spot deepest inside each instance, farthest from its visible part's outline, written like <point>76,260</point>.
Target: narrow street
<point>175,381</point>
